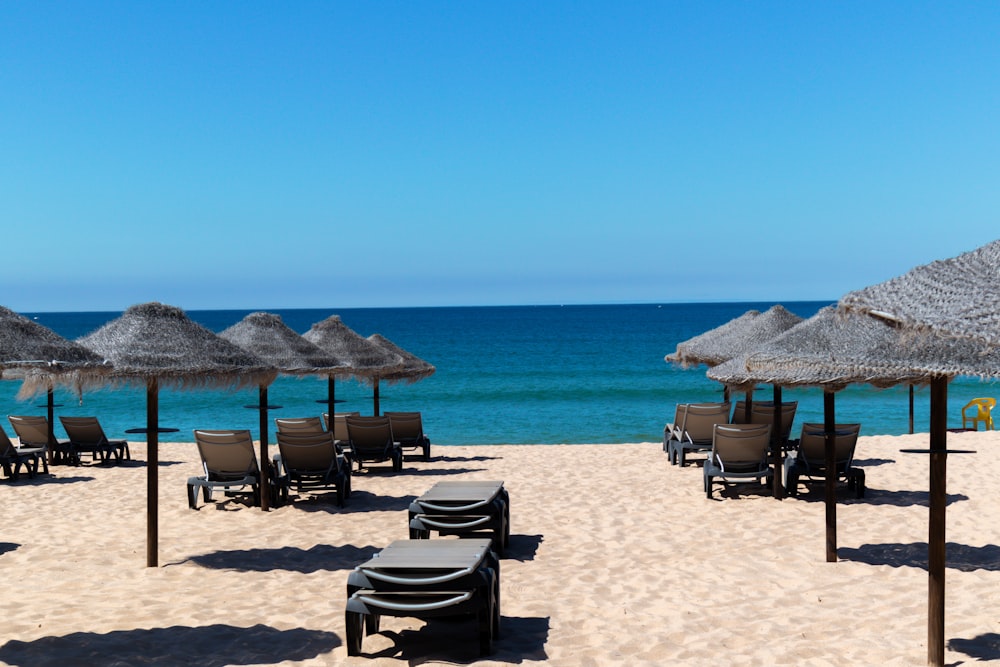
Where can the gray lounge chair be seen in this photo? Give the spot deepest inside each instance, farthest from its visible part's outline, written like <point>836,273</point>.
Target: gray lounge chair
<point>33,431</point>
<point>12,458</point>
<point>672,430</point>
<point>311,461</point>
<point>739,453</point>
<point>371,441</point>
<point>408,431</point>
<point>696,429</point>
<point>229,463</point>
<point>810,461</point>
<point>87,436</point>
<point>299,425</point>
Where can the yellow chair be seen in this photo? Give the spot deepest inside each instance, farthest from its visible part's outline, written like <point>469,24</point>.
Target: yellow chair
<point>983,407</point>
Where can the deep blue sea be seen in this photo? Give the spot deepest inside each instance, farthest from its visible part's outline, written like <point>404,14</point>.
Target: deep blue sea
<point>516,374</point>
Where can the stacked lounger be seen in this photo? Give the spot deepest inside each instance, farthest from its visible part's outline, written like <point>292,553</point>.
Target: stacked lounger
<point>463,508</point>
<point>425,579</point>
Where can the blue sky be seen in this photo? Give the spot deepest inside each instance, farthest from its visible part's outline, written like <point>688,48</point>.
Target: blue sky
<point>343,154</point>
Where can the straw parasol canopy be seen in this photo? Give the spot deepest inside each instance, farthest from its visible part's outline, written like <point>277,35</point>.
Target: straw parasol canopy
<point>954,297</point>
<point>41,357</point>
<point>412,370</point>
<point>832,350</point>
<point>366,361</point>
<point>267,337</point>
<point>156,345</point>
<point>733,338</point>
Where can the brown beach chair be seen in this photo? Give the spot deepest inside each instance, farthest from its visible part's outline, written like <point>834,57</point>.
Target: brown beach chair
<point>229,463</point>
<point>299,425</point>
<point>810,461</point>
<point>696,429</point>
<point>87,436</point>
<point>740,453</point>
<point>408,431</point>
<point>33,431</point>
<point>672,430</point>
<point>311,461</point>
<point>12,458</point>
<point>371,441</point>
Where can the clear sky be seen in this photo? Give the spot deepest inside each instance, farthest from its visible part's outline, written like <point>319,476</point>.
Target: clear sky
<point>340,154</point>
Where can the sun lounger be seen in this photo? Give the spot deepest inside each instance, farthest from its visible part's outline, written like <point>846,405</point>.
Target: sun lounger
<point>33,431</point>
<point>87,436</point>
<point>12,458</point>
<point>230,464</point>
<point>463,508</point>
<point>408,431</point>
<point>672,430</point>
<point>310,461</point>
<point>739,453</point>
<point>810,460</point>
<point>425,579</point>
<point>371,441</point>
<point>299,425</point>
<point>696,429</point>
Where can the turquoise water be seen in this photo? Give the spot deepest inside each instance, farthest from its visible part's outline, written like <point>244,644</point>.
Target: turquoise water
<point>519,374</point>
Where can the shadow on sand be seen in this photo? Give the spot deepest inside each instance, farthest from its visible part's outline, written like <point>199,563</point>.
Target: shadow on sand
<point>209,646</point>
<point>957,556</point>
<point>522,547</point>
<point>7,546</point>
<point>320,557</point>
<point>985,647</point>
<point>455,642</point>
<point>360,501</point>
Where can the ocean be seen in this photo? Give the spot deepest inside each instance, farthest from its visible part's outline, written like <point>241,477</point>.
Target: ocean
<point>505,374</point>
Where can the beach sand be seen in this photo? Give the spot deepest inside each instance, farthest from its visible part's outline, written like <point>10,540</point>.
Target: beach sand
<point>616,557</point>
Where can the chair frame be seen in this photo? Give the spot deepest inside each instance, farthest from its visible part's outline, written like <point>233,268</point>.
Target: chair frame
<point>696,430</point>
<point>87,436</point>
<point>371,440</point>
<point>814,467</point>
<point>13,457</point>
<point>740,452</point>
<point>312,461</point>
<point>244,472</point>
<point>408,431</point>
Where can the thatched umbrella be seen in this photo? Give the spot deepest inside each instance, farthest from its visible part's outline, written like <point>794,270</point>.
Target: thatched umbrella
<point>43,358</point>
<point>738,336</point>
<point>836,349</point>
<point>365,359</point>
<point>412,370</point>
<point>954,297</point>
<point>268,338</point>
<point>155,345</point>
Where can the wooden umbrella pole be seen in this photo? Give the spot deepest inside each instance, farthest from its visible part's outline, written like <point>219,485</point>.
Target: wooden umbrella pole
<point>776,444</point>
<point>152,472</point>
<point>829,445</point>
<point>376,408</point>
<point>911,409</point>
<point>265,496</point>
<point>936,523</point>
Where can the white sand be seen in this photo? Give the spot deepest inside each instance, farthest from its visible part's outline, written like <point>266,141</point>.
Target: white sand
<point>616,557</point>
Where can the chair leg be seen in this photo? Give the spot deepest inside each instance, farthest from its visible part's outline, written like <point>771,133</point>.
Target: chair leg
<point>192,492</point>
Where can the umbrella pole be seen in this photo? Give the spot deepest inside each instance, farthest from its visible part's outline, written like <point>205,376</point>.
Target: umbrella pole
<point>152,471</point>
<point>829,445</point>
<point>936,523</point>
<point>776,444</point>
<point>376,398</point>
<point>911,409</point>
<point>265,496</point>
<point>330,391</point>
<point>51,411</point>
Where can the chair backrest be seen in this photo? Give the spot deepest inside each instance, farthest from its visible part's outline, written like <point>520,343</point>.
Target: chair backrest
<point>763,413</point>
<point>700,418</point>
<point>407,427</point>
<point>84,430</point>
<point>31,430</point>
<point>369,434</point>
<point>339,424</point>
<point>741,444</point>
<point>812,444</point>
<point>307,451</point>
<point>226,454</point>
<point>299,425</point>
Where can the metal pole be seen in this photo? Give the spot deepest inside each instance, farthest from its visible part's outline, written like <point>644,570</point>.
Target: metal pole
<point>911,409</point>
<point>152,471</point>
<point>936,524</point>
<point>829,445</point>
